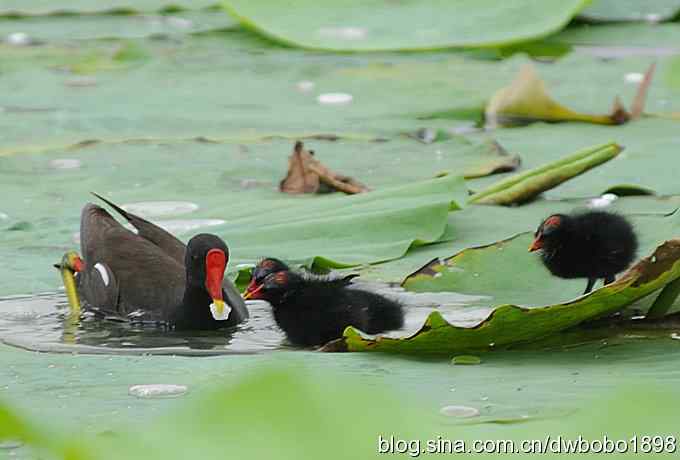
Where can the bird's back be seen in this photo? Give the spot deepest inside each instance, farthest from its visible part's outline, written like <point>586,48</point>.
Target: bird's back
<point>147,277</point>
<point>610,239</point>
<point>321,309</point>
<point>596,244</point>
<point>315,313</point>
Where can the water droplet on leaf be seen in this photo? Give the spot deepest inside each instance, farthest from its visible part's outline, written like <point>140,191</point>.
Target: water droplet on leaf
<point>160,390</point>
<point>334,98</point>
<point>459,411</point>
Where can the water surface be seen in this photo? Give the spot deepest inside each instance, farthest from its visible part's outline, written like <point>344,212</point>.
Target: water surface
<point>45,323</point>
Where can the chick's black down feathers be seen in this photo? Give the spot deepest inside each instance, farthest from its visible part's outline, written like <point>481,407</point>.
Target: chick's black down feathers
<point>594,244</point>
<point>314,310</point>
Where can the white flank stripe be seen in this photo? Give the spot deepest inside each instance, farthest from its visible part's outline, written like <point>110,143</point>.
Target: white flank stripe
<point>104,274</point>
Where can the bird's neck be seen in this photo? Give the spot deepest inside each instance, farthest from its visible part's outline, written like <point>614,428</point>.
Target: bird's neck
<point>195,306</point>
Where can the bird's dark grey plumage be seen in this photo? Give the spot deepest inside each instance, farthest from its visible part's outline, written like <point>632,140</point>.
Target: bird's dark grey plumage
<point>145,273</point>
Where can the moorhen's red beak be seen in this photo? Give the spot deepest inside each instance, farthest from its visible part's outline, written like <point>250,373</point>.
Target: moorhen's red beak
<point>253,291</point>
<point>536,245</point>
<point>215,263</point>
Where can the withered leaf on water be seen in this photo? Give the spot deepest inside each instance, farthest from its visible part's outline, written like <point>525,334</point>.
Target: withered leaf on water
<point>526,100</point>
<point>306,174</point>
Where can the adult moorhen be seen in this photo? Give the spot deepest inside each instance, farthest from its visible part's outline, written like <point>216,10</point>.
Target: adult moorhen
<point>314,310</point>
<point>593,245</point>
<point>151,275</point>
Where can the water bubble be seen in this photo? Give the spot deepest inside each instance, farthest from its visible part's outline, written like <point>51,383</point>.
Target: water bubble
<point>334,98</point>
<point>459,411</point>
<point>3,216</point>
<point>603,201</point>
<point>18,39</point>
<point>160,208</point>
<point>65,163</point>
<point>160,390</point>
<point>633,77</point>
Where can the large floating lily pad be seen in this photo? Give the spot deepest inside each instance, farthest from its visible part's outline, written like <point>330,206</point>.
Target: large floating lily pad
<point>227,85</point>
<point>509,324</point>
<point>73,27</point>
<point>477,226</point>
<point>652,38</point>
<point>235,188</point>
<point>631,10</point>
<point>371,25</point>
<point>236,86</point>
<point>41,7</point>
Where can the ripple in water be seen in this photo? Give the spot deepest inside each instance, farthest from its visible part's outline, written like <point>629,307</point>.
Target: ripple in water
<point>45,323</point>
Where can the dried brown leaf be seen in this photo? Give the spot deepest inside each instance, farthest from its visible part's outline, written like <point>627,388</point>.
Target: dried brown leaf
<point>306,174</point>
<point>299,178</point>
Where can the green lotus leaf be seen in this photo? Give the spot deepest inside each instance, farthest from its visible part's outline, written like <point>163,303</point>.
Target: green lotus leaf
<point>353,25</point>
<point>630,10</point>
<point>524,186</point>
<point>511,324</point>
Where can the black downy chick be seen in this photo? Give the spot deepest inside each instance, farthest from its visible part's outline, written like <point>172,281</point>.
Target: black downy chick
<point>314,311</point>
<point>265,267</point>
<point>592,245</point>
